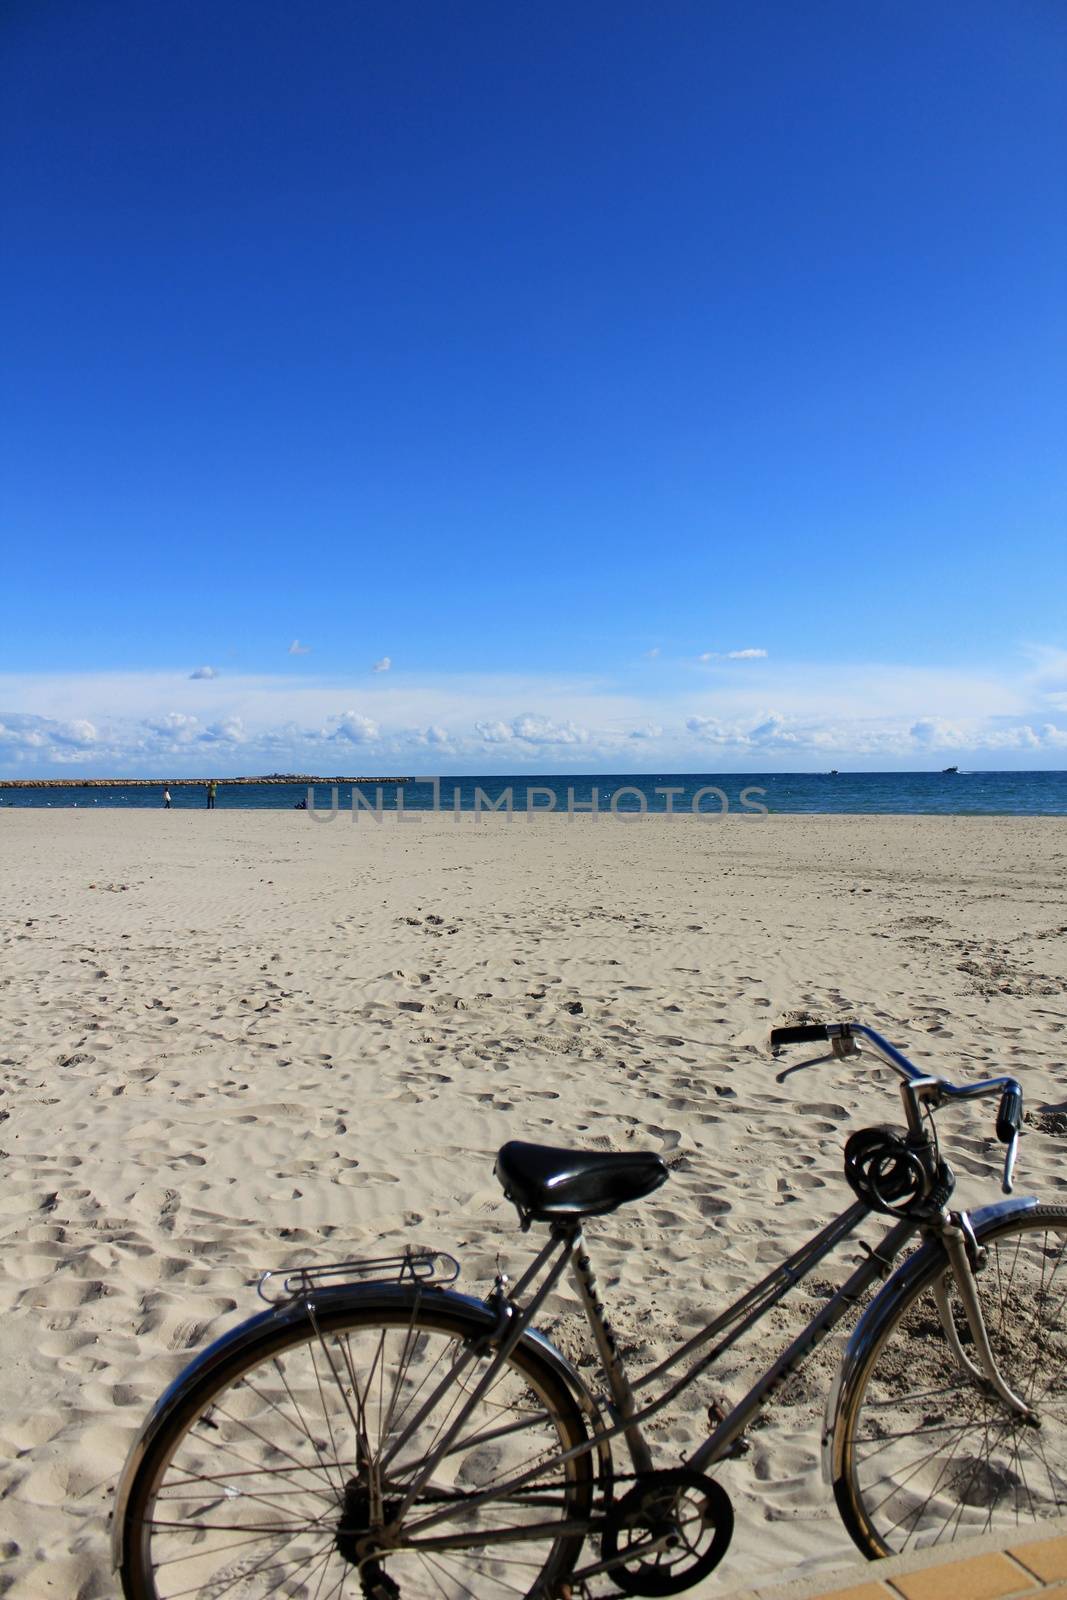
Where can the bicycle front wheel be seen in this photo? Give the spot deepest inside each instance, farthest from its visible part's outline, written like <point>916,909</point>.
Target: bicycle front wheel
<point>927,1453</point>
<point>296,1465</point>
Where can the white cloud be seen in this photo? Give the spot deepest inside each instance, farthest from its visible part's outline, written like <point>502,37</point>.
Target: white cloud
<point>733,655</point>
<point>20,733</point>
<point>529,729</point>
<point>933,733</point>
<point>356,728</point>
<point>177,726</point>
<point>382,666</point>
<point>769,733</point>
<point>775,731</point>
<point>79,732</point>
<point>25,738</point>
<point>651,655</point>
<point>711,730</point>
<point>298,649</point>
<point>205,672</point>
<point>882,737</point>
<point>786,716</point>
<point>541,730</point>
<point>230,731</point>
<point>494,732</point>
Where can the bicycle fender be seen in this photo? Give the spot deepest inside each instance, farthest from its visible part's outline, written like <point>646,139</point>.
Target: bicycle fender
<point>366,1297</point>
<point>884,1306</point>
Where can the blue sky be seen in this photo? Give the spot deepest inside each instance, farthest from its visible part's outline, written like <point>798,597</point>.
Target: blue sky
<point>544,357</point>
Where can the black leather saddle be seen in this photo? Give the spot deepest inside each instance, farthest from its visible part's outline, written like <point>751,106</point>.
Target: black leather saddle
<point>546,1184</point>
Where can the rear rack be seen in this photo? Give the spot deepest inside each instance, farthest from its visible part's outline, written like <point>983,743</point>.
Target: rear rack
<point>425,1267</point>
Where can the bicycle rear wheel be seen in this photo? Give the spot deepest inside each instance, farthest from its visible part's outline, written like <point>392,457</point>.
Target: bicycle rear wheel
<point>925,1453</point>
<point>284,1459</point>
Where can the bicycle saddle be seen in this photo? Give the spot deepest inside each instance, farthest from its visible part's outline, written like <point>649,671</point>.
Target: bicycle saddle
<point>546,1183</point>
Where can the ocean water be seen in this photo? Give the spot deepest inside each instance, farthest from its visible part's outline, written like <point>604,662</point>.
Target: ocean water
<point>859,793</point>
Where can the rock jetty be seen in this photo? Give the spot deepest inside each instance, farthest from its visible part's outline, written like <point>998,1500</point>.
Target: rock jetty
<point>178,783</point>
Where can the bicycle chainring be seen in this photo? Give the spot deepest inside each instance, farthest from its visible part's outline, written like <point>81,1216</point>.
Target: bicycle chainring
<point>667,1532</point>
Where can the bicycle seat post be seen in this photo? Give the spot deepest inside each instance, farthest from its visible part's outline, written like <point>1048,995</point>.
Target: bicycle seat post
<point>623,1402</point>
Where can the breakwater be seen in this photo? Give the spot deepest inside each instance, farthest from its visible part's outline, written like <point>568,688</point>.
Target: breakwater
<point>179,783</point>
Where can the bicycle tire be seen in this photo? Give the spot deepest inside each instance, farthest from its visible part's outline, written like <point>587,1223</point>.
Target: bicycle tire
<point>925,1454</point>
<point>251,1486</point>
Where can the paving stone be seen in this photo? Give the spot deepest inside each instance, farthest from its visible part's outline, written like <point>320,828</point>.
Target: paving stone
<point>991,1577</point>
<point>1046,1557</point>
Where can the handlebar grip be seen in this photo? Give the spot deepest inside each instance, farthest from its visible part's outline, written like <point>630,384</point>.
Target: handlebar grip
<point>1009,1115</point>
<point>801,1033</point>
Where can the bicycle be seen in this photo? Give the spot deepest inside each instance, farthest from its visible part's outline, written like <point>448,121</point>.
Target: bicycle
<point>376,1432</point>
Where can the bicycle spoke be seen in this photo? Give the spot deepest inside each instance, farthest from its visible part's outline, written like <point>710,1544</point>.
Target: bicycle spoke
<point>398,1422</point>
<point>304,1433</point>
<point>254,1469</point>
<point>248,1494</point>
<point>956,1428</point>
<point>498,1581</point>
<point>241,1577</point>
<point>428,1405</point>
<point>327,1417</point>
<point>337,1381</point>
<point>222,1549</point>
<point>406,1354</point>
<point>323,1573</point>
<point>955,1458</point>
<point>912,1398</point>
<point>429,1565</point>
<point>338,1487</point>
<point>287,1577</point>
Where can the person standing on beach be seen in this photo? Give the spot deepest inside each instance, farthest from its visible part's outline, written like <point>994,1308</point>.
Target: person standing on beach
<point>166,798</point>
<point>212,791</point>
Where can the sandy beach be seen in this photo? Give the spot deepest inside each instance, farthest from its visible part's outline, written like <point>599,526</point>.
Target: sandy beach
<point>231,1040</point>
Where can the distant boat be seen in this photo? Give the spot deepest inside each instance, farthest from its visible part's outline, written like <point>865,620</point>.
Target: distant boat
<point>947,771</point>
<point>833,772</point>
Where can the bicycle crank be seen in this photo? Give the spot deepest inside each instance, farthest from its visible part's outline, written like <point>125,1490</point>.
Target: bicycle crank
<point>667,1532</point>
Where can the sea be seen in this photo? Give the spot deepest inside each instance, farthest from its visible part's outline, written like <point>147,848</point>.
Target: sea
<point>963,793</point>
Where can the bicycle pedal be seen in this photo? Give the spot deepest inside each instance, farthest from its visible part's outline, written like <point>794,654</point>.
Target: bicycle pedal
<point>718,1411</point>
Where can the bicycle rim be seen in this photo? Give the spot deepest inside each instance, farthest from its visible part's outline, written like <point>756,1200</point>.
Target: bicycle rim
<point>278,1467</point>
<point>930,1453</point>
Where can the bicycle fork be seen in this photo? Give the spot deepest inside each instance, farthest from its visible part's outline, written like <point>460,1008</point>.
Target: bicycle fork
<point>961,1247</point>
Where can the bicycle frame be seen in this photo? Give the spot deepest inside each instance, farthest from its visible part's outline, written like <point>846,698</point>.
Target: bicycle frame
<point>507,1315</point>
<point>566,1248</point>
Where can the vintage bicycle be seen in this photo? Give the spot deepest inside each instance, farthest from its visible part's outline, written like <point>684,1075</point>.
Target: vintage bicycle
<point>377,1433</point>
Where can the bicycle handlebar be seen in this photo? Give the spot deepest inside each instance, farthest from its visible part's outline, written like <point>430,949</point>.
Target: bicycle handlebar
<point>1009,1111</point>
<point>802,1033</point>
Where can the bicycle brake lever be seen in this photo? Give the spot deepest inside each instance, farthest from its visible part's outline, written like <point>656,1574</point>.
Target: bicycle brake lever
<point>842,1045</point>
<point>801,1066</point>
<point>1009,1121</point>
